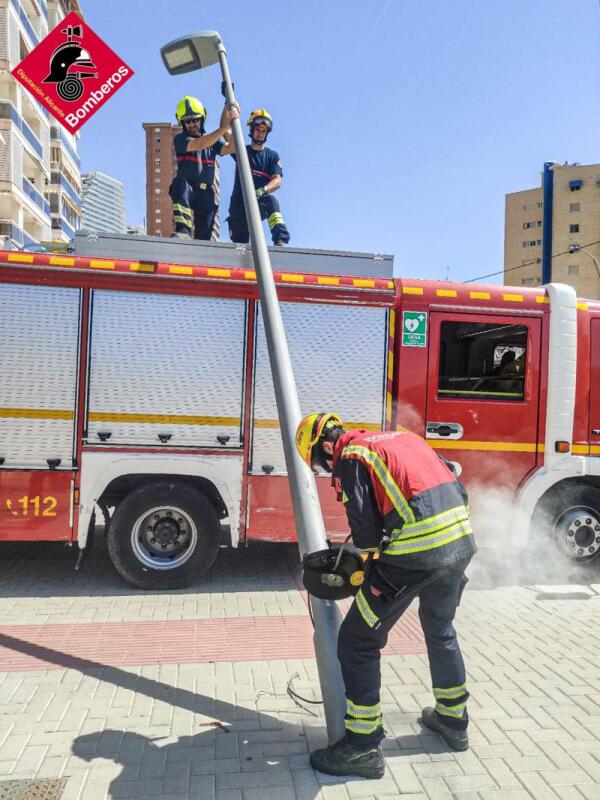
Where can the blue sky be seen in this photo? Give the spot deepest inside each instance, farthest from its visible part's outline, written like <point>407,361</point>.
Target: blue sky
<point>401,125</point>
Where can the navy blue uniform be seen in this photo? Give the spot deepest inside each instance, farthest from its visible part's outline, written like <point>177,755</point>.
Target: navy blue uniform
<point>192,189</point>
<point>264,165</point>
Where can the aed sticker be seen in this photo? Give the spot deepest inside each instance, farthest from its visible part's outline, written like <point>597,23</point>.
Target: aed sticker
<point>357,578</point>
<point>414,329</point>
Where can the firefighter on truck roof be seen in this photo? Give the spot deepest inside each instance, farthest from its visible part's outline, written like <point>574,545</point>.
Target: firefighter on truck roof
<point>267,172</point>
<point>192,190</point>
<point>405,502</point>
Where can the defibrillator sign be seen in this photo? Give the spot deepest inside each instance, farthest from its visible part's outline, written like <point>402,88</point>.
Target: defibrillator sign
<point>414,329</point>
<point>72,72</point>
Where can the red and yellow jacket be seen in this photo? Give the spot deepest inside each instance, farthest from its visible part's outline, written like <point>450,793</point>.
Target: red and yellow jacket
<point>394,485</point>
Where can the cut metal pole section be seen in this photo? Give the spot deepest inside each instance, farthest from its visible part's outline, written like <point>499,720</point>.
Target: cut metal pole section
<point>305,501</point>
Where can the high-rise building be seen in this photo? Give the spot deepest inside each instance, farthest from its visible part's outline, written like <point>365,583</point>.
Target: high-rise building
<point>161,166</point>
<point>103,204</point>
<point>575,224</point>
<point>39,165</point>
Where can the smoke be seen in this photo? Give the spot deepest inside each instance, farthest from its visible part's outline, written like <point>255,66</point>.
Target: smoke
<point>408,417</point>
<point>509,553</point>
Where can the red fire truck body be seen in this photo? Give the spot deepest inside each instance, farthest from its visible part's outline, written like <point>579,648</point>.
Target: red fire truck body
<point>144,387</point>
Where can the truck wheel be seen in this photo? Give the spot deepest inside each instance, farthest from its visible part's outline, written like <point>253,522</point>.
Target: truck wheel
<point>163,536</point>
<point>574,518</point>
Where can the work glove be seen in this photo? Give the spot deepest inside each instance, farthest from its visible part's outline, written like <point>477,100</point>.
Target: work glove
<point>260,192</point>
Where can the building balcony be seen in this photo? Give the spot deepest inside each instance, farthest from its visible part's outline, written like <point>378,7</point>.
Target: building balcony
<point>29,241</point>
<point>10,231</point>
<point>36,196</point>
<point>32,139</point>
<point>33,35</point>
<point>59,180</point>
<point>58,135</point>
<point>8,111</point>
<point>61,224</point>
<point>17,237</point>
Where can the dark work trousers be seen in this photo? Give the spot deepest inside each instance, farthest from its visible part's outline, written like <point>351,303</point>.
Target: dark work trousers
<point>194,208</point>
<point>269,210</point>
<point>364,633</point>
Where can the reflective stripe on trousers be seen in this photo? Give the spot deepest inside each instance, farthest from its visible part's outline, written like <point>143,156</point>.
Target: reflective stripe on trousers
<point>364,633</point>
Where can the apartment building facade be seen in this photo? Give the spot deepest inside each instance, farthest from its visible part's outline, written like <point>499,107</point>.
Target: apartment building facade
<point>39,164</point>
<point>575,224</point>
<point>161,166</point>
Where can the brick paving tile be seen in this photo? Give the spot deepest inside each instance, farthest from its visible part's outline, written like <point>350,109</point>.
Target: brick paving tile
<point>436,789</point>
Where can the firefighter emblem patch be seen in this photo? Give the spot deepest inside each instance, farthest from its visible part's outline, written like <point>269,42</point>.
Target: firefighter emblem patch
<point>72,72</point>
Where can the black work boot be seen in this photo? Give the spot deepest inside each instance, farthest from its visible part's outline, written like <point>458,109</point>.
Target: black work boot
<point>457,740</point>
<point>347,758</point>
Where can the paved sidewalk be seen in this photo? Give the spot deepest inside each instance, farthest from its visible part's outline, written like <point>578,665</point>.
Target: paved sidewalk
<point>127,694</point>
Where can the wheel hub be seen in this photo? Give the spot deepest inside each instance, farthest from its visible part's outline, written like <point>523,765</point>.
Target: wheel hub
<point>577,533</point>
<point>164,538</point>
<point>166,531</point>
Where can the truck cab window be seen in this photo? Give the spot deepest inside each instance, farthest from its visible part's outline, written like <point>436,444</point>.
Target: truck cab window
<point>482,361</point>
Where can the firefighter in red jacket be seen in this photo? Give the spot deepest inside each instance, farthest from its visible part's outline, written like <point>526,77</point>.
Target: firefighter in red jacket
<point>403,501</point>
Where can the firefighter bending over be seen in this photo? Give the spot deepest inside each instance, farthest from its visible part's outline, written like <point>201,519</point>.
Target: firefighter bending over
<point>266,173</point>
<point>404,502</point>
<point>192,190</point>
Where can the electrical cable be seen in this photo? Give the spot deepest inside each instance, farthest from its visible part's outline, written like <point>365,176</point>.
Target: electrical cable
<point>529,263</point>
<point>296,697</point>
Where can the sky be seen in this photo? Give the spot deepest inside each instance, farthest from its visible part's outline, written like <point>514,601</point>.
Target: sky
<point>401,125</point>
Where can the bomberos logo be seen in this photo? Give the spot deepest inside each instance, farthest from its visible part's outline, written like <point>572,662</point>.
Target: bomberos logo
<point>72,72</point>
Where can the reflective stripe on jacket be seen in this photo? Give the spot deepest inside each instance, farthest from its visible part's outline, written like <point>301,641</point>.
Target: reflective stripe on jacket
<point>392,483</point>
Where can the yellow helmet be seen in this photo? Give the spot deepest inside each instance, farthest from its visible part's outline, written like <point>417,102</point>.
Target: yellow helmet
<point>309,431</point>
<point>189,108</point>
<point>260,115</point>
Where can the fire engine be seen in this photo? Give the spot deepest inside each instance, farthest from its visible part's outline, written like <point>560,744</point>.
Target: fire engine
<point>140,389</point>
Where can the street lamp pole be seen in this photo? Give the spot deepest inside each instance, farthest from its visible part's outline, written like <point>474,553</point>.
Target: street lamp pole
<point>575,248</point>
<point>184,55</point>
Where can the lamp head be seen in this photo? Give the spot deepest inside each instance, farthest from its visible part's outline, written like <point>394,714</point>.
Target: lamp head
<point>191,52</point>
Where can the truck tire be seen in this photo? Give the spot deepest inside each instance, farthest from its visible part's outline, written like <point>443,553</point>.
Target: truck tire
<point>573,520</point>
<point>163,536</point>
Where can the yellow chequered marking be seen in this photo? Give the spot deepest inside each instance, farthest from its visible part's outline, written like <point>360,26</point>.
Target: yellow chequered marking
<point>21,258</point>
<point>458,444</point>
<point>289,277</point>
<point>392,323</point>
<point>542,298</point>
<point>323,280</point>
<point>446,292</point>
<point>595,450</point>
<point>169,419</point>
<point>583,306</point>
<point>388,407</point>
<point>35,413</point>
<point>390,284</point>
<point>412,290</point>
<point>181,270</point>
<point>513,298</point>
<point>250,275</point>
<point>101,264</point>
<point>140,266</point>
<point>480,296</point>
<point>218,273</point>
<point>61,261</point>
<point>362,283</point>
